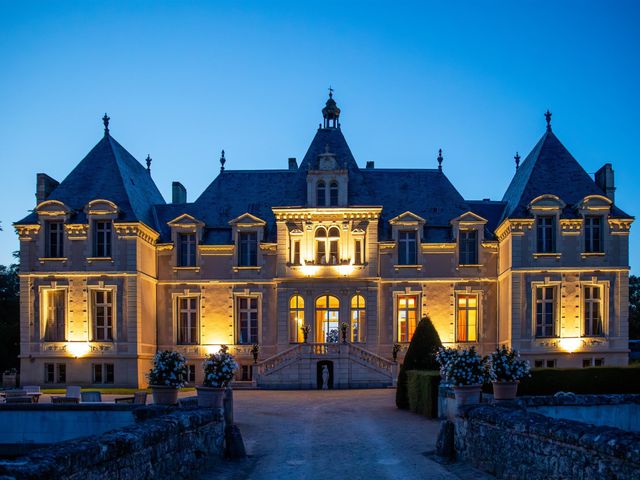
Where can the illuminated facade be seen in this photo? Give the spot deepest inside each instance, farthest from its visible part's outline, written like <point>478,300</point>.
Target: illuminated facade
<point>110,273</point>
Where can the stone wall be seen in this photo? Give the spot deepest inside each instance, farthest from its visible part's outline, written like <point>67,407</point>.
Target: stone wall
<point>165,442</point>
<point>511,443</point>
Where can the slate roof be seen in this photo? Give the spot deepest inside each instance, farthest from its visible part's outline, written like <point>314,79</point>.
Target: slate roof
<point>337,145</point>
<point>550,169</point>
<point>490,210</point>
<point>108,172</point>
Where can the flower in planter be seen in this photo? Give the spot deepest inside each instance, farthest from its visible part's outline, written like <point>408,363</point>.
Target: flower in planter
<point>466,367</point>
<point>443,355</point>
<point>255,351</point>
<point>169,369</point>
<point>394,352</point>
<point>505,365</point>
<point>219,368</point>
<point>333,336</point>
<point>344,328</point>
<point>305,331</point>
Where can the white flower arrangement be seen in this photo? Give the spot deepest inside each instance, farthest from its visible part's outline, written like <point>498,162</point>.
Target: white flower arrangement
<point>465,367</point>
<point>333,336</point>
<point>169,369</point>
<point>507,366</point>
<point>219,368</point>
<point>443,355</point>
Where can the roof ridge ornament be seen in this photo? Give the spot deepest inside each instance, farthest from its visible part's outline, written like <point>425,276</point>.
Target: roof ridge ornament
<point>149,163</point>
<point>517,159</point>
<point>331,112</point>
<point>547,115</point>
<point>440,159</point>
<point>105,121</point>
<point>222,161</point>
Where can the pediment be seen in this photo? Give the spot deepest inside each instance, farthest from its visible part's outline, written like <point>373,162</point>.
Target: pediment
<point>407,218</point>
<point>595,203</point>
<point>52,208</point>
<point>546,202</point>
<point>470,217</point>
<point>101,206</point>
<point>247,220</point>
<point>185,220</point>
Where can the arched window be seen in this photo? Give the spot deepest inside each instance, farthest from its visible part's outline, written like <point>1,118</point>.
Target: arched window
<point>333,194</point>
<point>321,191</point>
<point>296,319</point>
<point>328,319</point>
<point>358,314</point>
<point>321,246</point>
<point>334,242</point>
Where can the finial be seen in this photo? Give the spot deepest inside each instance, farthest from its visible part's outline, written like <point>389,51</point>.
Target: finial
<point>330,92</point>
<point>517,159</point>
<point>222,161</point>
<point>548,117</point>
<point>105,120</point>
<point>148,163</point>
<point>440,159</point>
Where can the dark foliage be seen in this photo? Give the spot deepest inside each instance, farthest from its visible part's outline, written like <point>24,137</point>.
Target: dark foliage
<point>420,356</point>
<point>9,317</point>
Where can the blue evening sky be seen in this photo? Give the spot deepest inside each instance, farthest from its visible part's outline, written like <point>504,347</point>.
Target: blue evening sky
<point>182,80</point>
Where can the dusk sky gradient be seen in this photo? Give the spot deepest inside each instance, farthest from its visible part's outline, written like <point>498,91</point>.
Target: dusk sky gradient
<point>183,80</point>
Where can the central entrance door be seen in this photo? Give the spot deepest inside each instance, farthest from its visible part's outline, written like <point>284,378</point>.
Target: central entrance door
<point>328,319</point>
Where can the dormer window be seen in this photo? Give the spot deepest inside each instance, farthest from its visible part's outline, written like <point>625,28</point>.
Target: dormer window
<point>593,234</point>
<point>546,234</point>
<point>468,240</point>
<point>102,239</point>
<point>333,194</point>
<point>248,249</point>
<point>321,197</point>
<point>407,243</point>
<point>54,239</point>
<point>187,249</point>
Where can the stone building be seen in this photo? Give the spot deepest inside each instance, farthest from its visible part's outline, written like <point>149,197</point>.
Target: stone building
<point>111,273</point>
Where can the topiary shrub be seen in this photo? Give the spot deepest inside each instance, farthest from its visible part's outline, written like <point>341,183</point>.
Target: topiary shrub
<point>420,356</point>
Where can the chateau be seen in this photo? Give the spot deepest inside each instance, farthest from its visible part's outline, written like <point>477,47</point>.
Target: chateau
<point>111,273</point>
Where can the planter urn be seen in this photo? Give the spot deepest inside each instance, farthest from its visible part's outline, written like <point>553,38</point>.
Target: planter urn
<point>210,397</point>
<point>164,395</point>
<point>505,390</point>
<point>466,395</point>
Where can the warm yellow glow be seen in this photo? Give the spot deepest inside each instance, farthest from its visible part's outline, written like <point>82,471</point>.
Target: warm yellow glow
<point>309,270</point>
<point>345,269</point>
<point>78,349</point>
<point>213,348</point>
<point>570,344</point>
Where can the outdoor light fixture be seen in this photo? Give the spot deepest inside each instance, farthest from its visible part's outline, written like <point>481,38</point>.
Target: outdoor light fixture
<point>213,348</point>
<point>570,344</point>
<point>309,270</point>
<point>345,270</point>
<point>78,349</point>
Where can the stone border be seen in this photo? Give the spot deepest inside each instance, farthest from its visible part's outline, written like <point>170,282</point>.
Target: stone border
<point>572,399</point>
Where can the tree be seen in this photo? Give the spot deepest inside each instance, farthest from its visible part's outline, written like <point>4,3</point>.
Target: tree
<point>420,356</point>
<point>634,307</point>
<point>9,317</point>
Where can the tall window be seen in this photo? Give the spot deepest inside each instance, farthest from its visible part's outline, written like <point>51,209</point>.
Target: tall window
<point>334,242</point>
<point>54,313</point>
<point>546,234</point>
<point>333,194</point>
<point>295,251</point>
<point>54,239</point>
<point>407,315</point>
<point>358,252</point>
<point>55,373</point>
<point>102,239</point>
<point>321,194</point>
<point>248,320</point>
<point>327,245</point>
<point>407,240</point>
<point>593,234</point>
<point>187,249</point>
<point>321,245</point>
<point>248,254</point>
<point>188,321</point>
<point>467,318</point>
<point>328,319</point>
<point>468,247</point>
<point>103,373</point>
<point>545,311</point>
<point>592,295</point>
<point>358,315</point>
<point>296,319</point>
<point>102,311</point>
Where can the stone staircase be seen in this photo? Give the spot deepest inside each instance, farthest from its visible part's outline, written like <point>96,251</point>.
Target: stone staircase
<point>351,366</point>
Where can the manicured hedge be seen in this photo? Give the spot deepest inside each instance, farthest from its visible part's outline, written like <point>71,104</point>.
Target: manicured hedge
<point>594,380</point>
<point>422,389</point>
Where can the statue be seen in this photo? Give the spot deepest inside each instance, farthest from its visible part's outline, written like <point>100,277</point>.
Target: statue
<point>325,377</point>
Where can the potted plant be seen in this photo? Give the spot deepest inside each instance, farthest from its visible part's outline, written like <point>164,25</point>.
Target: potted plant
<point>305,332</point>
<point>395,350</point>
<point>218,372</point>
<point>255,351</point>
<point>466,371</point>
<point>167,375</point>
<point>443,355</point>
<point>506,370</point>
<point>343,329</point>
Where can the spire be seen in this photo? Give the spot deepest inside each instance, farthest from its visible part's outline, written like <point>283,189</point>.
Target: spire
<point>331,112</point>
<point>517,159</point>
<point>548,117</point>
<point>105,120</point>
<point>440,159</point>
<point>222,161</point>
<point>148,163</point>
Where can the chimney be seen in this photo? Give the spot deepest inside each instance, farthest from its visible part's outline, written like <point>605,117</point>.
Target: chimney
<point>293,163</point>
<point>604,180</point>
<point>370,164</point>
<point>178,193</point>
<point>44,186</point>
